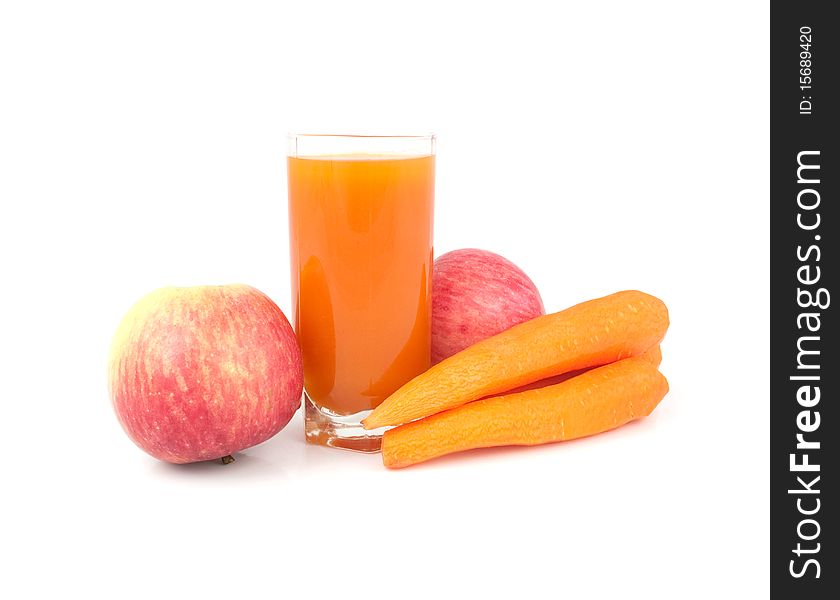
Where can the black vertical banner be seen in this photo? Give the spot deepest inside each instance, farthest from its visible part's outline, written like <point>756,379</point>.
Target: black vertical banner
<point>804,259</point>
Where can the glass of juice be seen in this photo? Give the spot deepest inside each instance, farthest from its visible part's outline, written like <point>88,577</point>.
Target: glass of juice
<point>360,220</point>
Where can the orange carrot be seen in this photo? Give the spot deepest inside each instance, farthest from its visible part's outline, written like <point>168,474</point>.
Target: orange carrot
<point>586,335</point>
<point>652,356</point>
<point>595,401</point>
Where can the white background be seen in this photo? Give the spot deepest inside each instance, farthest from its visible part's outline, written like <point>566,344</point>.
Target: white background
<point>599,145</point>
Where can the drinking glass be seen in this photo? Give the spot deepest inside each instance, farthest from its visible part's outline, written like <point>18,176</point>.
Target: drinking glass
<point>360,219</point>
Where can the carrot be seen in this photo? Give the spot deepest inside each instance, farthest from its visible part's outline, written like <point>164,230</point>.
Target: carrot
<point>595,401</point>
<point>652,356</point>
<point>589,334</point>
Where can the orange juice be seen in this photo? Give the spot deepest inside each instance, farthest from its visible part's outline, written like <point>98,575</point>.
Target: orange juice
<point>361,248</point>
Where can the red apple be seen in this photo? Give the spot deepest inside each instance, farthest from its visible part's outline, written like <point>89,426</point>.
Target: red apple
<point>202,372</point>
<point>477,294</point>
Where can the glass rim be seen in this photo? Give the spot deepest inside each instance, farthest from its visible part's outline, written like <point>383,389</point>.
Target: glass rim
<point>310,145</point>
<point>422,136</point>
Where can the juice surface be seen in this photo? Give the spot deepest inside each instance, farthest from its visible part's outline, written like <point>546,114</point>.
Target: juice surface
<point>361,248</point>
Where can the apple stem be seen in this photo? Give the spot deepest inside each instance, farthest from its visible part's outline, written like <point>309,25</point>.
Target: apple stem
<point>226,460</point>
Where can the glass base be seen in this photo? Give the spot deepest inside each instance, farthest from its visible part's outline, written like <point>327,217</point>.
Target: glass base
<point>326,428</point>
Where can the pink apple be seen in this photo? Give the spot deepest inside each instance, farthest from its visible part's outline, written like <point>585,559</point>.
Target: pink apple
<point>477,294</point>
<point>202,372</point>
